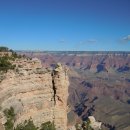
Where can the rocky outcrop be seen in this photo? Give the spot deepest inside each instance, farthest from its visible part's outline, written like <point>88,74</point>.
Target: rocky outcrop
<point>35,92</point>
<point>60,81</point>
<point>94,124</point>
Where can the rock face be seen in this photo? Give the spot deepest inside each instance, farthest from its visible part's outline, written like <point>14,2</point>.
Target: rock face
<point>60,81</point>
<point>35,92</point>
<point>94,124</point>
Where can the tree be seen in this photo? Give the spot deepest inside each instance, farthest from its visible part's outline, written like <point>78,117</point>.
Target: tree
<point>4,49</point>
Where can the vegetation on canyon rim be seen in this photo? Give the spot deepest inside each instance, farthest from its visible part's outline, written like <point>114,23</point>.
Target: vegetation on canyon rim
<point>27,125</point>
<point>6,58</point>
<point>5,64</point>
<point>84,126</point>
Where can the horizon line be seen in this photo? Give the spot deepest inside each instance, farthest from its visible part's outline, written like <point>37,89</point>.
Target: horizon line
<point>69,51</point>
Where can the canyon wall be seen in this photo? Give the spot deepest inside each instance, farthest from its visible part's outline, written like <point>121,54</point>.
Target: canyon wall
<point>35,92</point>
<point>93,61</point>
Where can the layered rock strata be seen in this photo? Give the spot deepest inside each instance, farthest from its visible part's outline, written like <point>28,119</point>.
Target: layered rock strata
<point>35,92</point>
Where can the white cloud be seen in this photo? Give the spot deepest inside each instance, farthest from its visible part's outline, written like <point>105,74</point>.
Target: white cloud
<point>126,38</point>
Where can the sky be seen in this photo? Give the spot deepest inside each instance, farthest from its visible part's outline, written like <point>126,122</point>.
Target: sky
<point>65,25</point>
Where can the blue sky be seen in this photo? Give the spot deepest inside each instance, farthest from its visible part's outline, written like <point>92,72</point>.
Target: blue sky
<point>88,25</point>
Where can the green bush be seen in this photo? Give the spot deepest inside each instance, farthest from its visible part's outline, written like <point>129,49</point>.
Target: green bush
<point>4,49</point>
<point>48,126</point>
<point>10,115</point>
<point>27,125</point>
<point>15,55</point>
<point>9,125</point>
<point>5,64</point>
<point>84,126</point>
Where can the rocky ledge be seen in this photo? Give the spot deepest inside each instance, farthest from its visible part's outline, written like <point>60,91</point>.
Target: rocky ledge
<point>35,92</point>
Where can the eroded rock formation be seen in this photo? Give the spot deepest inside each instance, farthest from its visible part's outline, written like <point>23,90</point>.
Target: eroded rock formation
<point>35,92</point>
<point>94,124</point>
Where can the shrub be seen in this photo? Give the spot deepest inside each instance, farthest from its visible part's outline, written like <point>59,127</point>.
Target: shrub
<point>5,64</point>
<point>48,126</point>
<point>9,125</point>
<point>84,126</point>
<point>4,49</point>
<point>10,115</point>
<point>15,55</point>
<point>27,125</point>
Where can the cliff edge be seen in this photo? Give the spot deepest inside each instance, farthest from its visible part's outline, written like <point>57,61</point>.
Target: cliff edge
<point>35,92</point>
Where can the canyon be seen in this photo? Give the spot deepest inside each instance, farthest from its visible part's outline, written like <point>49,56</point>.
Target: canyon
<point>67,88</point>
<point>99,85</point>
